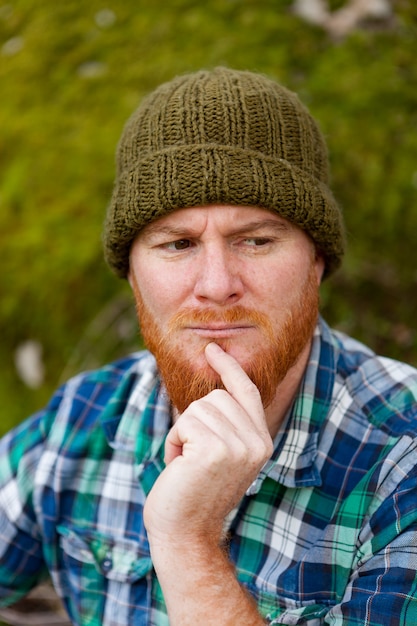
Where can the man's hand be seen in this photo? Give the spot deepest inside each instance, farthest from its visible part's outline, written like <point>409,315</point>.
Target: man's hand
<point>213,453</point>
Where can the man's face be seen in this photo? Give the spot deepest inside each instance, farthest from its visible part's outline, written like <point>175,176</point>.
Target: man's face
<point>240,276</point>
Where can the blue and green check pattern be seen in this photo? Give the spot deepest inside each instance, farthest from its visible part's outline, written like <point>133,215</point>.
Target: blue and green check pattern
<point>327,534</point>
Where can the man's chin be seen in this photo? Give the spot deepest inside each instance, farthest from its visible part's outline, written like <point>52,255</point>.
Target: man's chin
<point>199,367</point>
<point>201,370</point>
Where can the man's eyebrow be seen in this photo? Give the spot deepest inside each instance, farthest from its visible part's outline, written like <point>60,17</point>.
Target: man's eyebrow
<point>184,231</point>
<point>250,227</point>
<point>154,229</point>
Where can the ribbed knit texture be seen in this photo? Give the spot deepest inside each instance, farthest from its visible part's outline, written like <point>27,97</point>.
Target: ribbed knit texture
<point>225,137</point>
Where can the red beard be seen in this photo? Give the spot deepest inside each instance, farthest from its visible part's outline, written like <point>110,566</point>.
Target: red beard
<point>270,360</point>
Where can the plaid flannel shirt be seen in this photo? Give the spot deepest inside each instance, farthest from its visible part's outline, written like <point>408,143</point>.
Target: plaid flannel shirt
<point>327,534</point>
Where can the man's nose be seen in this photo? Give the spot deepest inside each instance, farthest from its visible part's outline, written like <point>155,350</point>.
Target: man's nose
<point>218,278</point>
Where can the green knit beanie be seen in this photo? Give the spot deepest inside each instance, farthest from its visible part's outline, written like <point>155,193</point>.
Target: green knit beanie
<point>222,137</point>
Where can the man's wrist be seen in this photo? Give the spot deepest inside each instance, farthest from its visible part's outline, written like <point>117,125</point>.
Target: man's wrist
<point>200,585</point>
<point>196,549</point>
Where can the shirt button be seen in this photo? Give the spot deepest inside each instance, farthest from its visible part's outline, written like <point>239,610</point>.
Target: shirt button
<point>107,564</point>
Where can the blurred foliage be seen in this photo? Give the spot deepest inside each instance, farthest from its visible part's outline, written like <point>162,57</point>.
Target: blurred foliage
<point>70,74</point>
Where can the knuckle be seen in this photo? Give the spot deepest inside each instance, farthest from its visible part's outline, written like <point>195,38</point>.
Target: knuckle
<point>217,455</point>
<point>262,448</point>
<point>268,446</point>
<point>217,394</point>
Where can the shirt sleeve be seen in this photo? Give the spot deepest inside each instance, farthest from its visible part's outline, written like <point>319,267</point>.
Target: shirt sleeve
<point>383,585</point>
<point>21,561</point>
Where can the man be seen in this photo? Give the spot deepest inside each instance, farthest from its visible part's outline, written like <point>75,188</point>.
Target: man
<point>254,467</point>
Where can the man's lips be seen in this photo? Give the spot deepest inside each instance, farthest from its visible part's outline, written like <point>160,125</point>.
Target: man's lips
<point>219,330</point>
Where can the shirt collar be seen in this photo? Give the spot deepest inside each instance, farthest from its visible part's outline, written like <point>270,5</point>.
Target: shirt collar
<point>137,416</point>
<point>293,463</point>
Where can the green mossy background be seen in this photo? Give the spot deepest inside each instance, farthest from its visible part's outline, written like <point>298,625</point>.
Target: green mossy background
<point>71,73</point>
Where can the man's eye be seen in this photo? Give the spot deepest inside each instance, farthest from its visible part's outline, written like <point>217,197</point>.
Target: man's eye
<point>257,241</point>
<point>179,244</point>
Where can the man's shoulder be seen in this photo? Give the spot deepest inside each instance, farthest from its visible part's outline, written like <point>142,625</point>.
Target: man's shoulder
<point>384,389</point>
<point>111,374</point>
<point>71,424</point>
<point>83,400</point>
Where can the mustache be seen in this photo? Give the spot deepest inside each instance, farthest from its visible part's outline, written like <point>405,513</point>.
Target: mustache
<point>232,315</point>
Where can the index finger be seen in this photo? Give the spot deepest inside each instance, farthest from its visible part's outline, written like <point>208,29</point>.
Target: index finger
<point>235,380</point>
